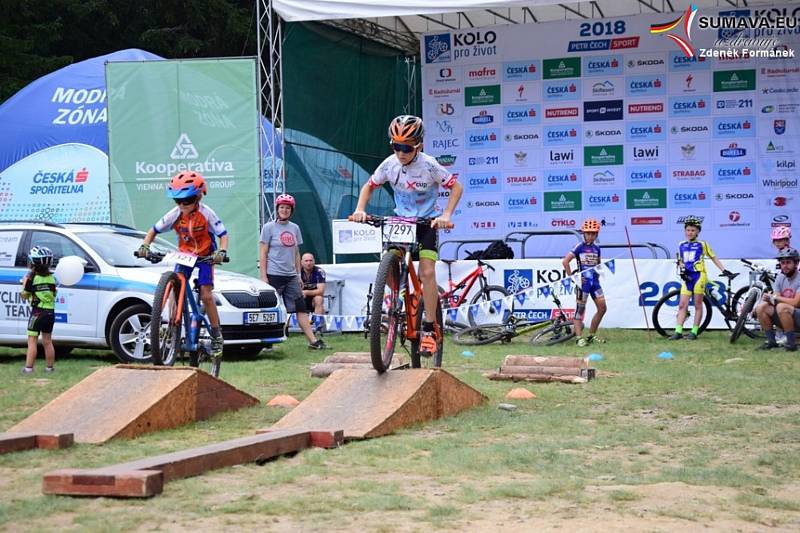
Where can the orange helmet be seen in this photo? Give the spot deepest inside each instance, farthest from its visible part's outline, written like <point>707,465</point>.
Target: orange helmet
<point>186,185</point>
<point>590,225</point>
<point>406,129</point>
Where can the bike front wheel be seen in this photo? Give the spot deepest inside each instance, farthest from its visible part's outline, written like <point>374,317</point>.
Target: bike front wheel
<point>492,315</point>
<point>751,328</point>
<point>557,332</point>
<point>165,323</point>
<point>386,314</point>
<point>744,322</point>
<point>665,313</point>
<point>479,335</point>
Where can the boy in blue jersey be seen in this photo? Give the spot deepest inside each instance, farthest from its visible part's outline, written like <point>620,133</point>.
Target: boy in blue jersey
<point>691,254</point>
<point>587,254</point>
<point>415,178</point>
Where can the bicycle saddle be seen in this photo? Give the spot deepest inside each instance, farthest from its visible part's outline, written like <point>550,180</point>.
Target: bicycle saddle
<point>449,261</point>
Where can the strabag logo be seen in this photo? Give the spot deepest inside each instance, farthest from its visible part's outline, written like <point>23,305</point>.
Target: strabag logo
<point>438,48</point>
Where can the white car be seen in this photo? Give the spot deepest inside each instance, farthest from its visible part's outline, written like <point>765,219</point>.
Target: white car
<point>110,306</point>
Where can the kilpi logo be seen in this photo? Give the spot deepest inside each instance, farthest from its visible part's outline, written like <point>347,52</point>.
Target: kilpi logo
<point>184,149</point>
<point>686,18</point>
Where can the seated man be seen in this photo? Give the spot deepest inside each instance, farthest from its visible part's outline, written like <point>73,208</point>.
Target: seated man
<point>782,307</point>
<point>313,285</point>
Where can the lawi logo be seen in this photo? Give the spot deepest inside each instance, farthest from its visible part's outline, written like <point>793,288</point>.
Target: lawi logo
<point>683,43</point>
<point>184,149</point>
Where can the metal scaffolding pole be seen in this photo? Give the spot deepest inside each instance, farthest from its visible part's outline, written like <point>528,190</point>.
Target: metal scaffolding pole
<point>269,41</point>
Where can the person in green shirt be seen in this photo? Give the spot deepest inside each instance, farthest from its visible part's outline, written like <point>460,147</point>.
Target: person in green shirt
<point>39,286</point>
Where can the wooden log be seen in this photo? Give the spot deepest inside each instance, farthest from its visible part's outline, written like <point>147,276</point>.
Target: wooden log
<point>536,377</point>
<point>554,370</point>
<point>540,360</point>
<point>323,370</point>
<point>348,357</point>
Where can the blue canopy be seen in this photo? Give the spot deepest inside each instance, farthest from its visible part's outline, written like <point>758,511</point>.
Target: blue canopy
<point>65,106</point>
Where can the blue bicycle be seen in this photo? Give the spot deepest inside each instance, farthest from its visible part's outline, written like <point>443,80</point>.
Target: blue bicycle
<point>174,332</point>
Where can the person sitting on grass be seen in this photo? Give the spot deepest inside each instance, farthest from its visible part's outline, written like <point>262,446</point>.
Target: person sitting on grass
<point>781,308</point>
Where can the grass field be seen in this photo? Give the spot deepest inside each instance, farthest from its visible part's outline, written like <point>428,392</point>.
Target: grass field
<point>707,440</point>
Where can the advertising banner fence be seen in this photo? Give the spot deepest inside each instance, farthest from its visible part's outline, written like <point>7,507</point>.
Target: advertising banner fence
<point>636,121</point>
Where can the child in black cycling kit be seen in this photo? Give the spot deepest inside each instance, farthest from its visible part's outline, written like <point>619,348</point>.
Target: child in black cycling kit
<point>40,287</point>
<point>415,178</point>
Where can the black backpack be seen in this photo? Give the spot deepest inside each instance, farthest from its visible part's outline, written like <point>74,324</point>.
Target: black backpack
<point>496,250</point>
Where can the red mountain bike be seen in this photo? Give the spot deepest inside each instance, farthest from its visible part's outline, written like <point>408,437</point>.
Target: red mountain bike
<point>456,293</point>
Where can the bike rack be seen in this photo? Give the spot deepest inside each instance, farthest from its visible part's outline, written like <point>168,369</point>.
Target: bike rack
<point>653,247</point>
<point>462,243</point>
<point>525,235</point>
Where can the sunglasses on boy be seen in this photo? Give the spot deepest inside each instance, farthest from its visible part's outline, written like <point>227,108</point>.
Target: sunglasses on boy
<point>405,148</point>
<point>186,201</point>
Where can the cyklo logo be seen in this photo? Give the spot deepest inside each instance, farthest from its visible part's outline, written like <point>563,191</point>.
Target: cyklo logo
<point>686,18</point>
<point>184,149</point>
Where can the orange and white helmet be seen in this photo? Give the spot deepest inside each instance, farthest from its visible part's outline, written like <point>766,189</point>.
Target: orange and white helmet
<point>406,129</point>
<point>591,225</point>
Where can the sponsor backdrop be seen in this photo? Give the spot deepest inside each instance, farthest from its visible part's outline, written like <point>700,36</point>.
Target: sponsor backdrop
<point>168,116</point>
<point>602,118</point>
<point>530,280</point>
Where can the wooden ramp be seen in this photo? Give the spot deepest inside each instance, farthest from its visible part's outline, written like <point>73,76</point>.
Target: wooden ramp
<point>129,400</point>
<point>366,404</point>
<point>146,477</point>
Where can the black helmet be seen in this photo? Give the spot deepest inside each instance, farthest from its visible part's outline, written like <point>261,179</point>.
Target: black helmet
<point>40,255</point>
<point>788,253</point>
<point>691,220</point>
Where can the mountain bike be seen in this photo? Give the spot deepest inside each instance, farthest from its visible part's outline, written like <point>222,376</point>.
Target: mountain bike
<point>717,295</point>
<point>557,329</point>
<point>746,298</point>
<point>397,305</point>
<point>457,292</point>
<point>173,332</point>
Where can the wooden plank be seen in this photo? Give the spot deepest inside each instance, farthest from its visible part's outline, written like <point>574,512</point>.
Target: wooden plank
<point>536,377</point>
<point>323,370</point>
<point>17,441</point>
<point>554,370</point>
<point>540,360</point>
<point>349,357</point>
<point>145,477</point>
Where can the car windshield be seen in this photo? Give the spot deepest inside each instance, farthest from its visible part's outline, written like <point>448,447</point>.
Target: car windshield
<point>117,248</point>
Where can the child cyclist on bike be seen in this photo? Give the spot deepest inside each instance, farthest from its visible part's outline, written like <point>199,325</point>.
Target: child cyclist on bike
<point>415,178</point>
<point>196,225</point>
<point>691,255</point>
<point>587,254</point>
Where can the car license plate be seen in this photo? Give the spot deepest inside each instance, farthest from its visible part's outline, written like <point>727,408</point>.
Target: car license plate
<point>260,317</point>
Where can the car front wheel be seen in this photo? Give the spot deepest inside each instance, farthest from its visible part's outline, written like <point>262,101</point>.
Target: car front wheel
<point>130,335</point>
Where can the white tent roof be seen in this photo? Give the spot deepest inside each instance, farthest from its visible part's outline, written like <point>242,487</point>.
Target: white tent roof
<point>399,23</point>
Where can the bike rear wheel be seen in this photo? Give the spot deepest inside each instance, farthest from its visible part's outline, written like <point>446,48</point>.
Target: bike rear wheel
<point>435,361</point>
<point>165,324</point>
<point>492,315</point>
<point>744,316</point>
<point>386,315</point>
<point>665,313</point>
<point>558,331</point>
<point>479,335</point>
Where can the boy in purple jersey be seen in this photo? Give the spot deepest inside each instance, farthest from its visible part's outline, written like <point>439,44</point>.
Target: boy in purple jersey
<point>587,255</point>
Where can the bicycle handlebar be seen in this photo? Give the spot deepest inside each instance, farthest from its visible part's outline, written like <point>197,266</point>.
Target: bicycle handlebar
<point>157,257</point>
<point>378,221</point>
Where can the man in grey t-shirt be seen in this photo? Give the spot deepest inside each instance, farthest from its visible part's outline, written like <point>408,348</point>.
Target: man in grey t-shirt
<point>782,306</point>
<point>279,263</point>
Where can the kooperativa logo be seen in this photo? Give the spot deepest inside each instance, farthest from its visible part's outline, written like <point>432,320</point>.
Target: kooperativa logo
<point>687,18</point>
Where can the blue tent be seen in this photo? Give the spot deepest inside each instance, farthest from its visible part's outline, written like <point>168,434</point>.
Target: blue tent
<point>65,106</point>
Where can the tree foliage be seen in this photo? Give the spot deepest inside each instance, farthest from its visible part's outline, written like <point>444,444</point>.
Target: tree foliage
<point>40,36</point>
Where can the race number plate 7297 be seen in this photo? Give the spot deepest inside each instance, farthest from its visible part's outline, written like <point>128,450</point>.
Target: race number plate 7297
<point>400,232</point>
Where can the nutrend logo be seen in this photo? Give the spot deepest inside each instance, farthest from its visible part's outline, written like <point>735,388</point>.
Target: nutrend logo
<point>184,149</point>
<point>686,18</point>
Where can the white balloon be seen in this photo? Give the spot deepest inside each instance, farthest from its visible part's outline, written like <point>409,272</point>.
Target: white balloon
<point>69,270</point>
